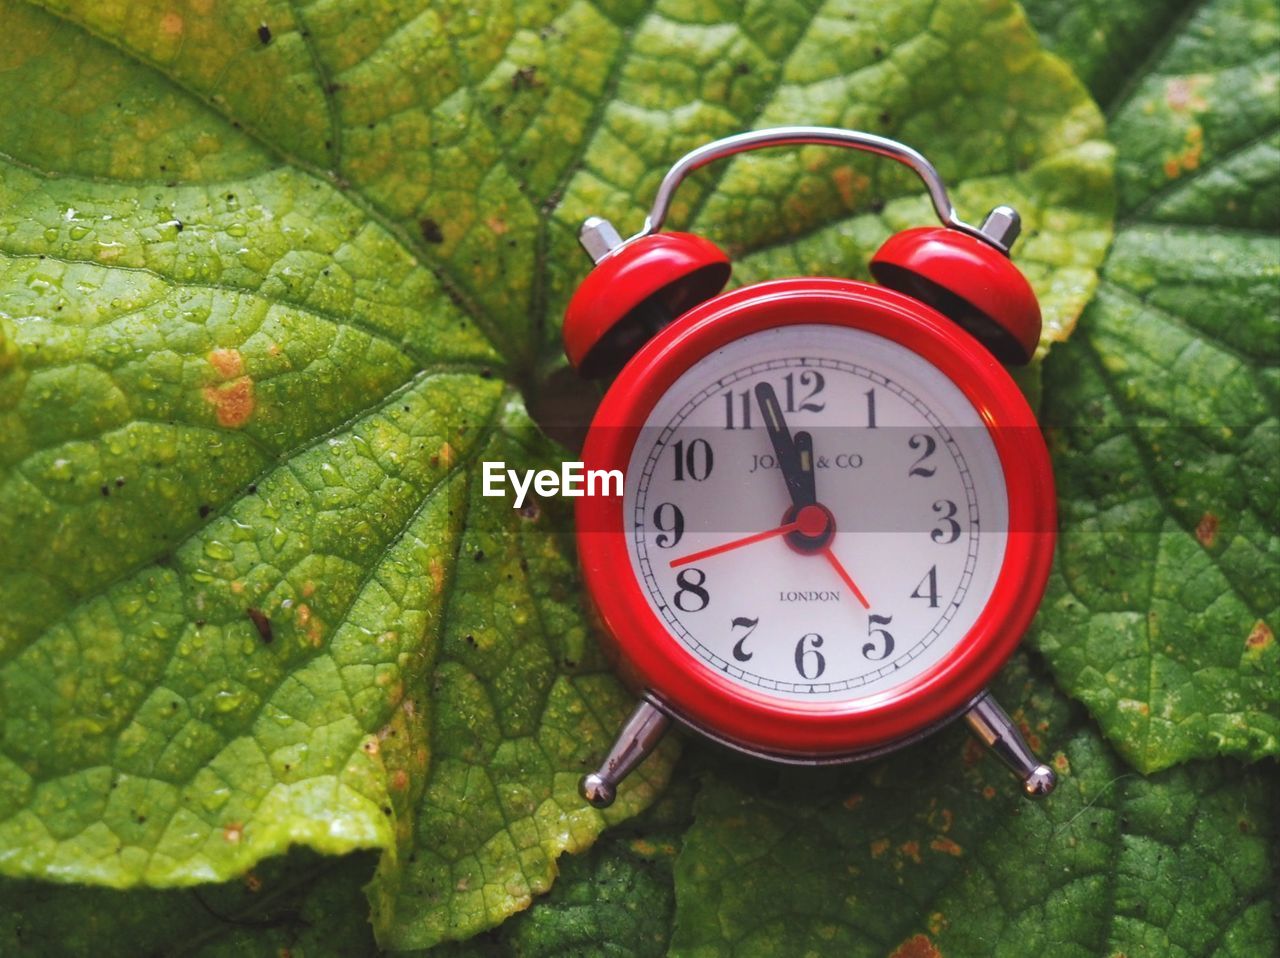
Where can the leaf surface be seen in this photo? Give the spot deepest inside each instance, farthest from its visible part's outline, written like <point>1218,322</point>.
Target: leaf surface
<point>1165,408</point>
<point>275,279</point>
<point>934,852</point>
<point>300,904</point>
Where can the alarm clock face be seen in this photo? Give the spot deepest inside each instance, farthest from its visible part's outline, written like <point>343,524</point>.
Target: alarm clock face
<point>856,597</point>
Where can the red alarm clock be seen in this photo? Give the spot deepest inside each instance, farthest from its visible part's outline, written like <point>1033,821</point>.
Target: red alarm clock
<point>837,515</point>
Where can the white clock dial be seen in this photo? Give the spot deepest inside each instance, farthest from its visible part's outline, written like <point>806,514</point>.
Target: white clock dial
<point>901,461</point>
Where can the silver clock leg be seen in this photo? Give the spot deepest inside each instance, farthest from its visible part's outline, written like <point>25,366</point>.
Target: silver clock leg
<point>639,736</point>
<point>598,237</point>
<point>992,724</point>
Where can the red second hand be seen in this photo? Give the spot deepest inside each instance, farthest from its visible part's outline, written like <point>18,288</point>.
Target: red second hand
<point>782,530</point>
<point>848,580</point>
<point>801,524</point>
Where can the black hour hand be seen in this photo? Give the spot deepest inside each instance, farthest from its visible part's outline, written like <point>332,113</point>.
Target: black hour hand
<point>798,474</point>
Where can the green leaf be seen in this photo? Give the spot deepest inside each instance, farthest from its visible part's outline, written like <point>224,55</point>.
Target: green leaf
<point>934,852</point>
<point>1165,408</point>
<point>616,901</point>
<point>274,278</point>
<point>300,905</point>
<point>619,891</point>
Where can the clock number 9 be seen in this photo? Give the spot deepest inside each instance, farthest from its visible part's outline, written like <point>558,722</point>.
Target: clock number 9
<point>809,661</point>
<point>870,648</point>
<point>930,447</point>
<point>669,535</point>
<point>697,460</point>
<point>690,586</point>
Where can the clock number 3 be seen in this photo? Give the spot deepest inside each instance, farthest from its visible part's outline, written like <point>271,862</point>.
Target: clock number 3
<point>949,531</point>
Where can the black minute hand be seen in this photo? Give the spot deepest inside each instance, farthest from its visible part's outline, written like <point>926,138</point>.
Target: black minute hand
<point>797,473</point>
<point>804,452</point>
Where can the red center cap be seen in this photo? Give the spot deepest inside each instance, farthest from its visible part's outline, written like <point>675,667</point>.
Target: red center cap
<point>813,521</point>
<point>812,528</point>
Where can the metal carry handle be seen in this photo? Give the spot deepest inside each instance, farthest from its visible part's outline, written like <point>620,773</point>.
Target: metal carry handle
<point>811,135</point>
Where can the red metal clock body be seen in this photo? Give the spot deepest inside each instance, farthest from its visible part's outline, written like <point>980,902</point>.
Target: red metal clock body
<point>647,652</point>
<point>907,388</point>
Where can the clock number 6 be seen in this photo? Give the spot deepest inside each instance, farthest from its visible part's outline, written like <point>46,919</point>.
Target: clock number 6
<point>869,650</point>
<point>807,655</point>
<point>694,587</point>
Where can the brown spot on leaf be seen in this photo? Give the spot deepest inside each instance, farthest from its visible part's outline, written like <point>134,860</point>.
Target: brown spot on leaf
<point>850,184</point>
<point>232,402</point>
<point>911,850</point>
<point>879,847</point>
<point>171,24</point>
<point>853,801</point>
<point>227,363</point>
<point>400,780</point>
<point>524,78</point>
<point>446,455</point>
<point>252,882</point>
<point>261,623</point>
<point>946,846</point>
<point>435,568</point>
<point>972,753</point>
<point>1207,530</point>
<point>309,623</point>
<point>1259,637</point>
<point>1189,159</point>
<point>430,230</point>
<point>232,832</point>
<point>917,946</point>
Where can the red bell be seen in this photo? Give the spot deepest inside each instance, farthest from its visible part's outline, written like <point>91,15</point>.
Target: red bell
<point>967,280</point>
<point>633,292</point>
